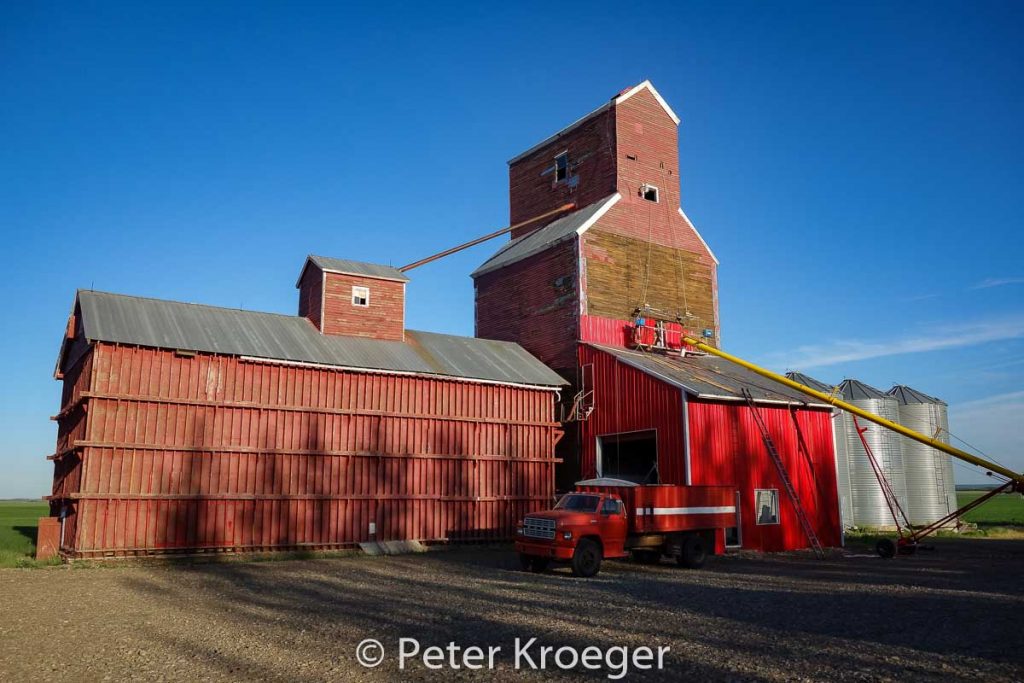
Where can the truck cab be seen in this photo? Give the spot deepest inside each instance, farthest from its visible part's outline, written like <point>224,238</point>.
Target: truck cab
<point>582,529</point>
<point>610,518</point>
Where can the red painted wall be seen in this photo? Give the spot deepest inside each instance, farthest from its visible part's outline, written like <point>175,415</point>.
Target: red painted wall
<point>384,318</point>
<point>726,448</point>
<point>170,453</point>
<point>627,400</point>
<point>534,302</point>
<point>591,148</point>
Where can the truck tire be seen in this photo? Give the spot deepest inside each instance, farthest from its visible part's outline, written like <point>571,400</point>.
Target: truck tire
<point>586,559</point>
<point>692,553</point>
<point>526,561</point>
<point>646,556</point>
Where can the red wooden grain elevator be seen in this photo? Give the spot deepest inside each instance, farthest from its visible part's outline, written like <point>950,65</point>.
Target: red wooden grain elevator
<point>187,428</point>
<point>602,296</point>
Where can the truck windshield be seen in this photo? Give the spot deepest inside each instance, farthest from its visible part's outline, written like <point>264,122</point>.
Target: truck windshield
<point>578,502</point>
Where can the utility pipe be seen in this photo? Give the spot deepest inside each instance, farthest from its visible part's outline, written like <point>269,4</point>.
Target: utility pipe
<point>1017,478</point>
<point>488,236</point>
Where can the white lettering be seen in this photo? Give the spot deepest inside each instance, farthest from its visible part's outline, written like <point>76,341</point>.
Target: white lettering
<point>403,653</point>
<point>522,653</point>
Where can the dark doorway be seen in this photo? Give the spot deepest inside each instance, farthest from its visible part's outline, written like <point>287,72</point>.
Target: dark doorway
<point>632,456</point>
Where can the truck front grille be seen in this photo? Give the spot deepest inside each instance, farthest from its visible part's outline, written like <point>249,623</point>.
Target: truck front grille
<point>534,527</point>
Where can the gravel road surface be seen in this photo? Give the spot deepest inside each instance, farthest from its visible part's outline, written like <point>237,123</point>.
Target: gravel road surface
<point>955,613</point>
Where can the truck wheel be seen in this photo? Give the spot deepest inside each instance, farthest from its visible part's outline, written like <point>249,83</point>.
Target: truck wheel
<point>586,560</point>
<point>647,556</point>
<point>539,564</point>
<point>693,553</point>
<point>526,561</point>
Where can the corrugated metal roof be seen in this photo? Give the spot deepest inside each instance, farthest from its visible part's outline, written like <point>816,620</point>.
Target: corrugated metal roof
<point>710,377</point>
<point>908,395</point>
<point>855,390</point>
<point>539,240</point>
<point>809,381</point>
<point>340,265</point>
<point>175,325</point>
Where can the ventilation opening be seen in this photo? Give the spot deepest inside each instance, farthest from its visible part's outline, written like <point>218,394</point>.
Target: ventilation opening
<point>632,456</point>
<point>650,193</point>
<point>561,167</point>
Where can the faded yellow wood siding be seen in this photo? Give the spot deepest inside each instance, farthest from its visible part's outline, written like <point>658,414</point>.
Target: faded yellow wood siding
<point>623,274</point>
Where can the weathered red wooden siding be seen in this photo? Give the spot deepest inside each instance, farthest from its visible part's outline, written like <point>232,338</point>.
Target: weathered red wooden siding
<point>534,303</point>
<point>726,448</point>
<point>311,292</point>
<point>213,452</point>
<point>627,400</point>
<point>591,149</point>
<point>384,318</point>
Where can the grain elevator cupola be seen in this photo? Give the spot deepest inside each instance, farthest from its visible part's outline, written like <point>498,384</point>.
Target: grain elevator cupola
<point>352,298</point>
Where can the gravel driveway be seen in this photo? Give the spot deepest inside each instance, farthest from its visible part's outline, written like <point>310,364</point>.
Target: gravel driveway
<point>955,613</point>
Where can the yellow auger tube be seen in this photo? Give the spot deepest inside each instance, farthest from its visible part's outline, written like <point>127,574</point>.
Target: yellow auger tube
<point>860,412</point>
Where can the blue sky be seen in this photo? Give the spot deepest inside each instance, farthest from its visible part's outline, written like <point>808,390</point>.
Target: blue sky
<point>857,170</point>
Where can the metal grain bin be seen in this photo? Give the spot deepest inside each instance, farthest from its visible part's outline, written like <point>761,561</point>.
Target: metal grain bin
<point>869,504</point>
<point>931,493</point>
<point>842,451</point>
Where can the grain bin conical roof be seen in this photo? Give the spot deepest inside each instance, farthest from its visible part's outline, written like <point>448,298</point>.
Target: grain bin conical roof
<point>855,390</point>
<point>908,395</point>
<point>809,381</point>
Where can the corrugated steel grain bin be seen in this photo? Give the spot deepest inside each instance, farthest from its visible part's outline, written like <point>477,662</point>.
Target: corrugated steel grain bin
<point>163,450</point>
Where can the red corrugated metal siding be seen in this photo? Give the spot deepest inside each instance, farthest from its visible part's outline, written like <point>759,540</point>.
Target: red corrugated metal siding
<point>626,400</point>
<point>213,452</point>
<point>726,448</point>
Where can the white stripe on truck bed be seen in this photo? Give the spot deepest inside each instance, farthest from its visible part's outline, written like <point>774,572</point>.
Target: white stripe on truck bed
<point>686,511</point>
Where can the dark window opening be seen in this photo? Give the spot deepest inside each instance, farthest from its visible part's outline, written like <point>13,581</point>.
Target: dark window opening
<point>632,457</point>
<point>578,502</point>
<point>561,167</point>
<point>650,193</point>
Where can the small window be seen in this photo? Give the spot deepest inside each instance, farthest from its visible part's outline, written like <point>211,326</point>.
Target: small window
<point>361,296</point>
<point>766,503</point>
<point>650,193</point>
<point>561,167</point>
<point>611,507</point>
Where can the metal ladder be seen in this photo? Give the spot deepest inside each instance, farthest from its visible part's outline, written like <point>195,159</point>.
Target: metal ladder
<point>769,445</point>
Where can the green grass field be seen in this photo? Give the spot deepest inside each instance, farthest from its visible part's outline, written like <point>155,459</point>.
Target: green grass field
<point>18,522</point>
<point>1003,510</point>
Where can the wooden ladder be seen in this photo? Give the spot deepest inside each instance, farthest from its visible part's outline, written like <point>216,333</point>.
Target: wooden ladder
<point>769,445</point>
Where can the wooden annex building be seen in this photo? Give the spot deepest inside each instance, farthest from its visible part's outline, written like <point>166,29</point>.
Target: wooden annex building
<point>193,428</point>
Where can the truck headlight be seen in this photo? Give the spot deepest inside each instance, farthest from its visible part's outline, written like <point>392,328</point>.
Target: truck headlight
<point>567,535</point>
<point>519,530</point>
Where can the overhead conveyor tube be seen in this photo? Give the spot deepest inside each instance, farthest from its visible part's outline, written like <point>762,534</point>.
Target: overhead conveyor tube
<point>1016,477</point>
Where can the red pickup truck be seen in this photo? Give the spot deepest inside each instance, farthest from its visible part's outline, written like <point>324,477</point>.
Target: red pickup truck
<point>611,518</point>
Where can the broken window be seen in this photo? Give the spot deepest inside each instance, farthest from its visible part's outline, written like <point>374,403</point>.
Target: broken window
<point>650,193</point>
<point>561,167</point>
<point>361,296</point>
<point>766,505</point>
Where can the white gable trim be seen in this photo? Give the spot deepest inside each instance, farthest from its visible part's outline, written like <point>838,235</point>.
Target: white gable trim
<point>647,84</point>
<point>699,236</point>
<point>618,99</point>
<point>612,201</point>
